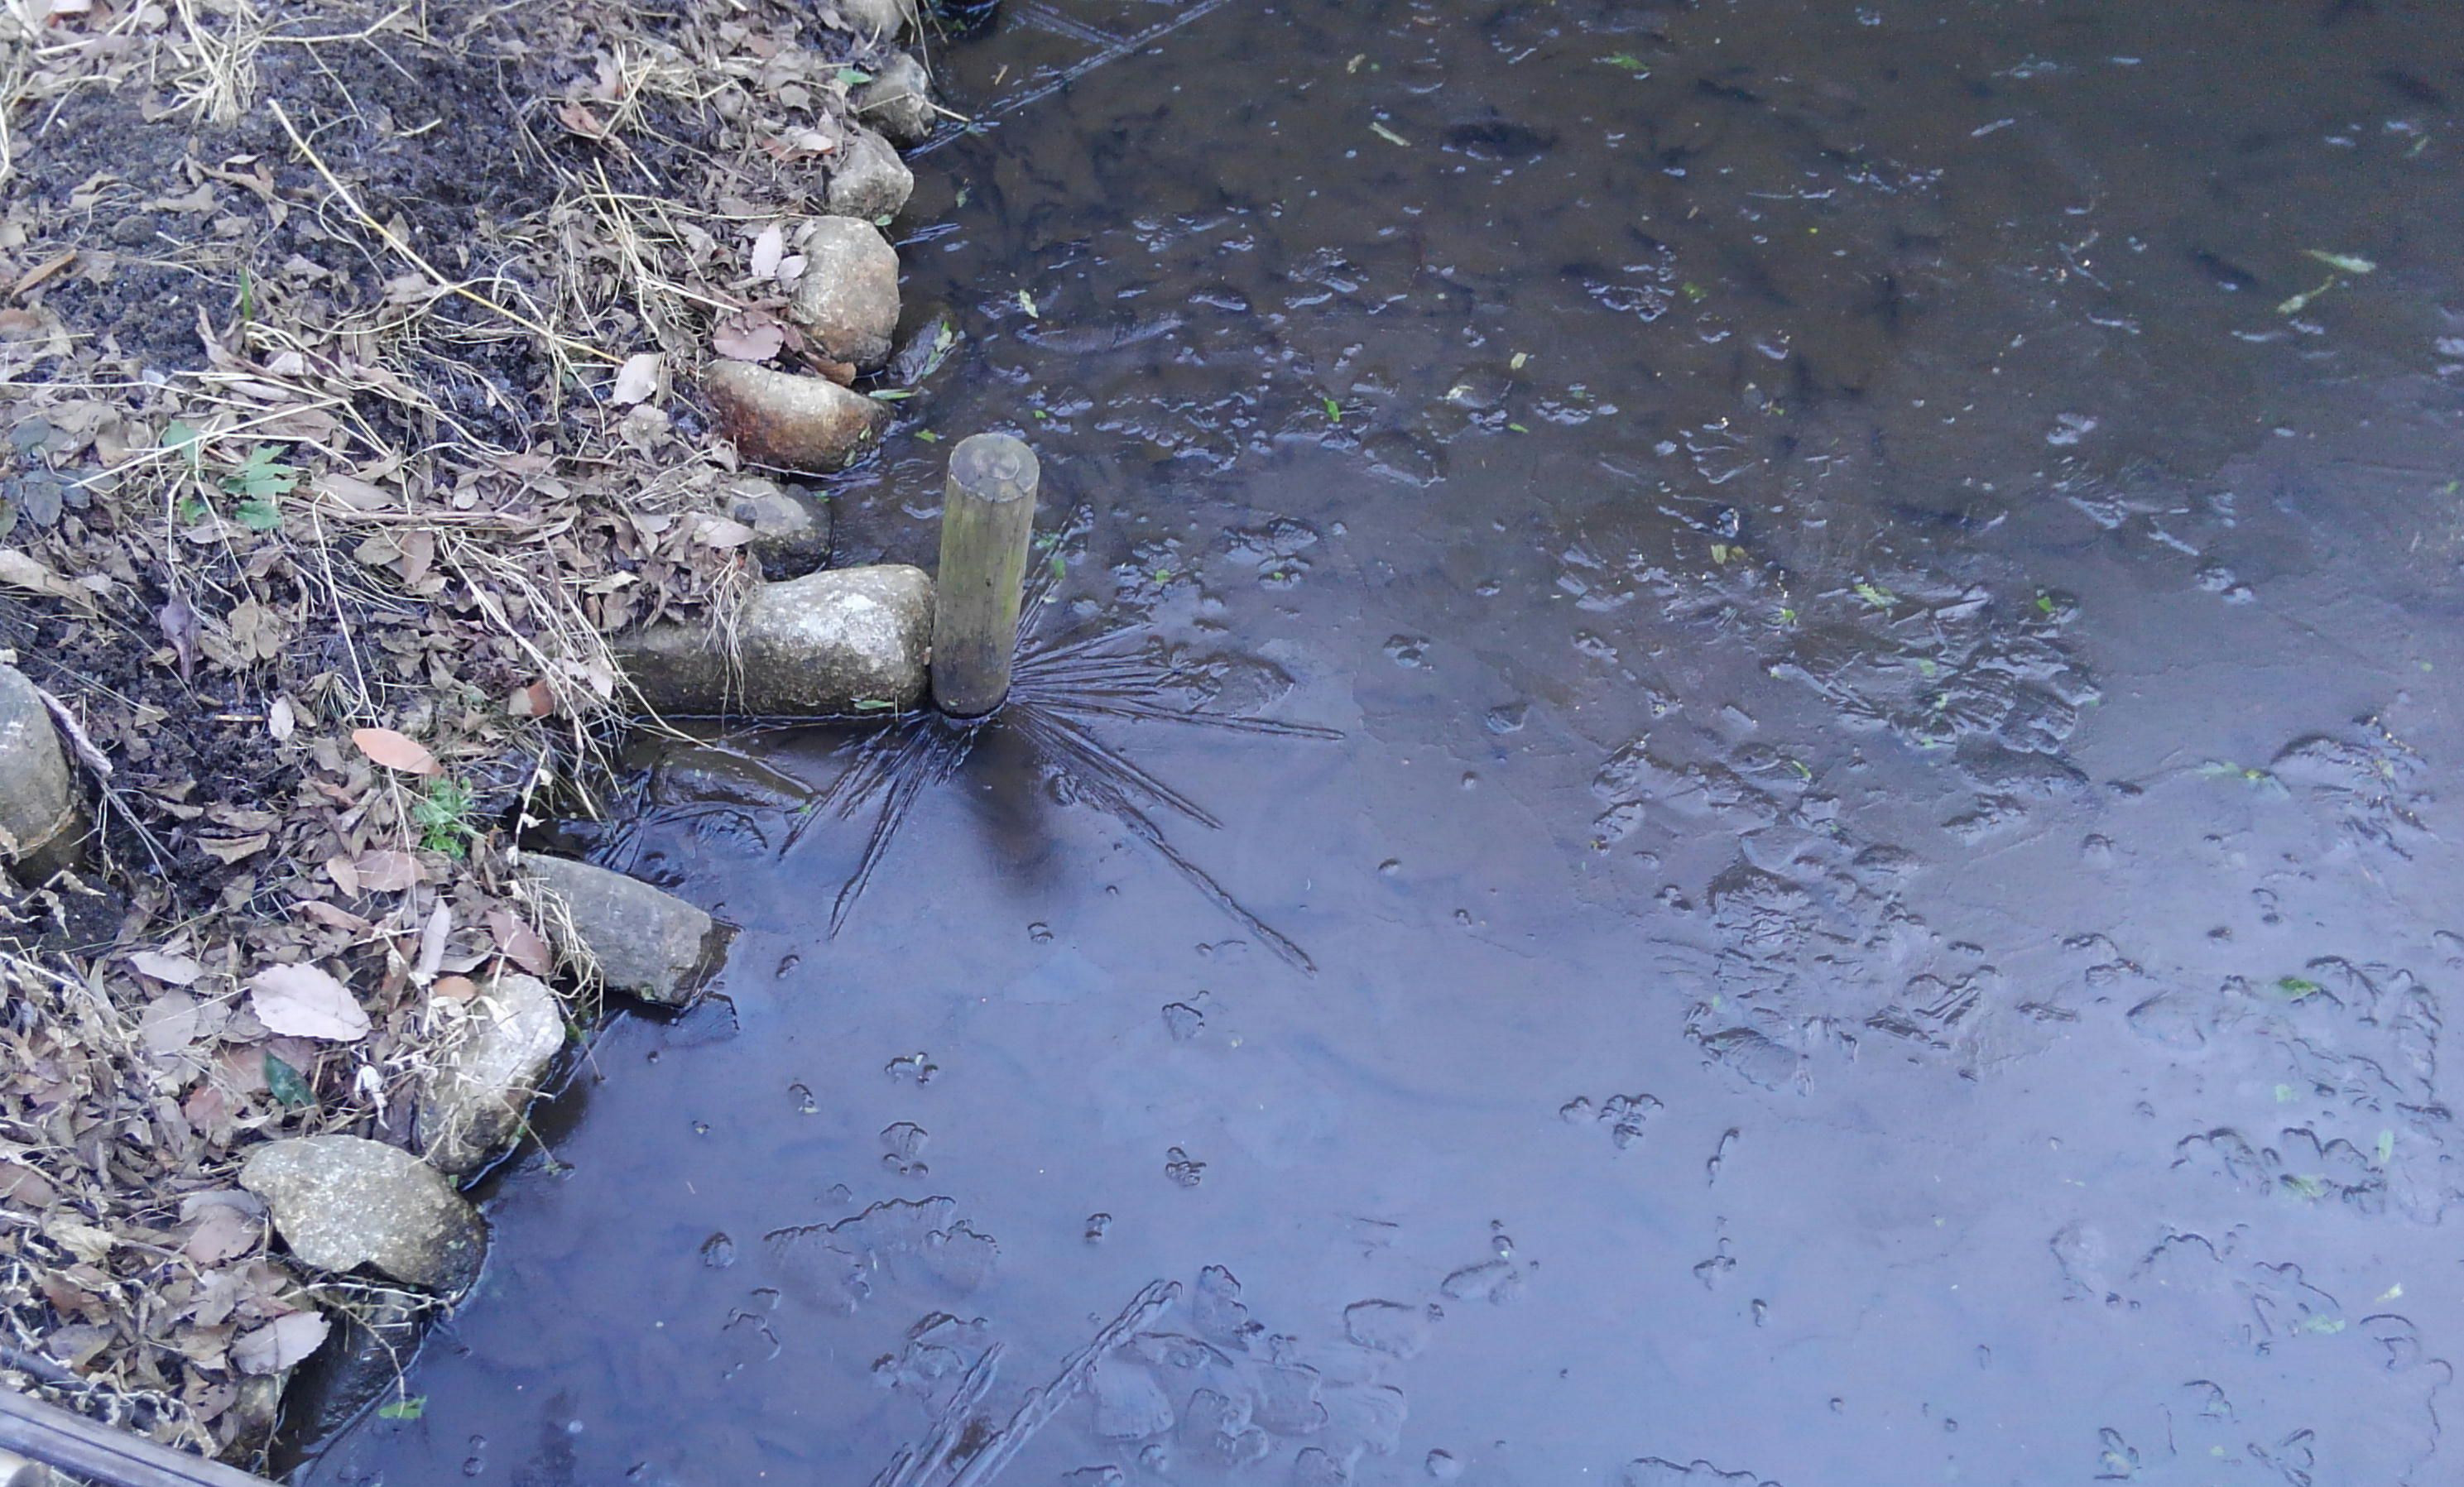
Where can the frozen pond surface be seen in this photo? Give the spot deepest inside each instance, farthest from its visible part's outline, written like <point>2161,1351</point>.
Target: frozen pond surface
<point>1882,908</point>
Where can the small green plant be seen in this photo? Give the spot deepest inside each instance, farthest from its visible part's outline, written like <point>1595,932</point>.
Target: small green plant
<point>1627,62</point>
<point>259,478</point>
<point>443,816</point>
<point>411,1406</point>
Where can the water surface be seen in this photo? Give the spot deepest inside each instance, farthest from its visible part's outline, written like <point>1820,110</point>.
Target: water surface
<point>1882,908</point>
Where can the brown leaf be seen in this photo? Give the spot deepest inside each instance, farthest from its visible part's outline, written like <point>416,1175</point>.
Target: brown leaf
<point>168,968</point>
<point>333,917</point>
<point>579,118</point>
<point>385,871</point>
<point>304,1001</point>
<point>431,942</point>
<point>720,533</point>
<point>231,849</point>
<point>394,750</point>
<point>519,943</point>
<point>453,988</point>
<point>537,700</point>
<point>354,493</point>
<point>749,336</point>
<point>279,1344</point>
<point>221,1233</point>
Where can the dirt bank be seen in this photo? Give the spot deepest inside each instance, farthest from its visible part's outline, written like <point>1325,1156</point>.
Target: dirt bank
<point>348,364</point>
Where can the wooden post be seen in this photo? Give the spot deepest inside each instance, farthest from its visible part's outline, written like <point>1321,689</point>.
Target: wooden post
<point>98,1454</point>
<point>987,520</point>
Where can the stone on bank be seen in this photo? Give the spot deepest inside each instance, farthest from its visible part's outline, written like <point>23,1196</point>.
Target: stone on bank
<point>846,303</point>
<point>848,642</point>
<point>898,100</point>
<point>488,1068</point>
<point>645,942</point>
<point>791,526</point>
<point>868,178</point>
<point>341,1202</point>
<point>42,820</point>
<point>807,424</point>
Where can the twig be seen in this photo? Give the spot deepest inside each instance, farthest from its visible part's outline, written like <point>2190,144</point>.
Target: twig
<point>450,285</point>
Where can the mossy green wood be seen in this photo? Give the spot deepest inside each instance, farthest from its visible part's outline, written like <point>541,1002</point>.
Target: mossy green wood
<point>987,521</point>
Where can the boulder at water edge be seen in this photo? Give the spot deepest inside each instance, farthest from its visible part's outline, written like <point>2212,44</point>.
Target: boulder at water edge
<point>807,424</point>
<point>846,303</point>
<point>877,20</point>
<point>341,1202</point>
<point>645,942</point>
<point>791,526</point>
<point>898,100</point>
<point>868,178</point>
<point>492,1063</point>
<point>848,642</point>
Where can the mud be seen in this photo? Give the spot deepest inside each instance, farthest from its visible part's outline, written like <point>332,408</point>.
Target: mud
<point>1883,906</point>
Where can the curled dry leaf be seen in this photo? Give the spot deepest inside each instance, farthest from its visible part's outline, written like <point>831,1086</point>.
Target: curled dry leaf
<point>303,1001</point>
<point>432,943</point>
<point>637,379</point>
<point>280,1344</point>
<point>394,750</point>
<point>178,624</point>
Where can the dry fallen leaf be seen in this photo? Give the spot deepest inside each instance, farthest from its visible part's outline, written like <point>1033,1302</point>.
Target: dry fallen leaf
<point>394,752</point>
<point>720,533</point>
<point>537,700</point>
<point>178,624</point>
<point>280,719</point>
<point>303,1001</point>
<point>768,251</point>
<point>432,943</point>
<point>350,491</point>
<point>168,968</point>
<point>578,117</point>
<point>231,849</point>
<point>279,1344</point>
<point>519,943</point>
<point>222,1232</point>
<point>384,871</point>
<point>749,335</point>
<point>637,379</point>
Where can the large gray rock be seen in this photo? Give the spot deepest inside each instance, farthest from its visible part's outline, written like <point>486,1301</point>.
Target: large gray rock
<point>777,419</point>
<point>489,1069</point>
<point>341,1202</point>
<point>42,820</point>
<point>868,178</point>
<point>877,20</point>
<point>847,303</point>
<point>791,528</point>
<point>898,100</point>
<point>645,943</point>
<point>848,642</point>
